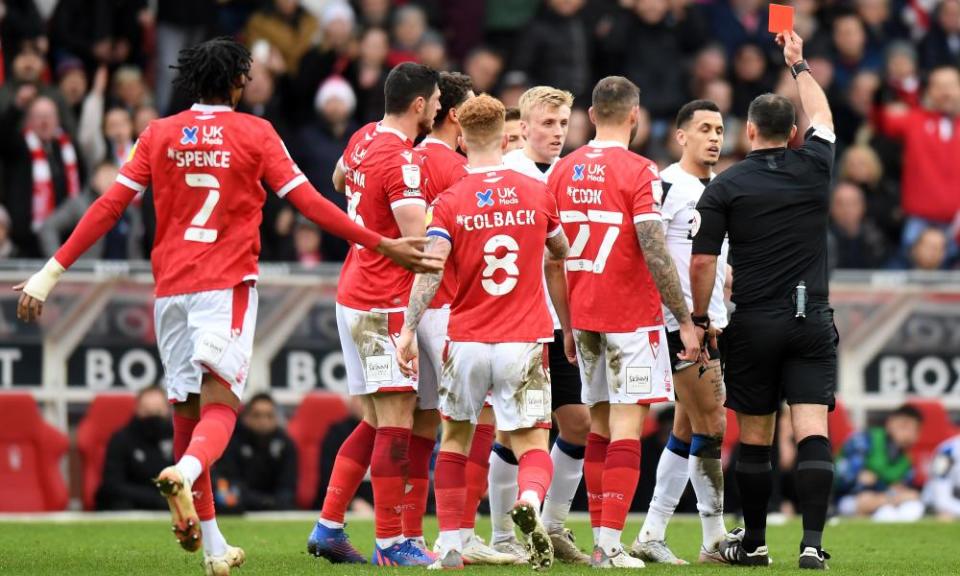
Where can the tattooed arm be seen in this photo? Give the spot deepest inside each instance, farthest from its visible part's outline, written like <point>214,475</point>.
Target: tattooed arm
<point>654,246</point>
<point>425,285</point>
<point>424,289</point>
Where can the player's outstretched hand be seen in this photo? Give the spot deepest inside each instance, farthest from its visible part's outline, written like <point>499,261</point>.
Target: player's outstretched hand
<point>691,337</point>
<point>569,347</point>
<point>792,45</point>
<point>28,308</point>
<point>407,352</point>
<point>407,252</point>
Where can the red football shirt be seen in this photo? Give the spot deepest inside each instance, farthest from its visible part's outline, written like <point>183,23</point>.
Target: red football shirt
<point>382,174</point>
<point>498,221</point>
<point>602,189</point>
<point>205,165</point>
<point>442,168</point>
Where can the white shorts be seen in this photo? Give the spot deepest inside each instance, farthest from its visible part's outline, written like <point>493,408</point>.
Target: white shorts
<point>369,347</point>
<point>431,340</point>
<point>206,332</point>
<point>624,368</point>
<point>516,373</point>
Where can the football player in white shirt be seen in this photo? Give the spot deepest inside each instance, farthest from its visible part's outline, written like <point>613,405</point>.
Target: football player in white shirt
<point>942,492</point>
<point>693,450</point>
<point>544,118</point>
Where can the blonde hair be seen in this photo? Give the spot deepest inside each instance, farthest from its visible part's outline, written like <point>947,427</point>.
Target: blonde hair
<point>481,119</point>
<point>546,96</point>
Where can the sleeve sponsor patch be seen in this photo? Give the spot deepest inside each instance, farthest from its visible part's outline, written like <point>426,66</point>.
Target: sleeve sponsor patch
<point>411,176</point>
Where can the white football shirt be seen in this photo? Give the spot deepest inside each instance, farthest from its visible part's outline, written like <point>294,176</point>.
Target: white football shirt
<point>518,161</point>
<point>678,208</point>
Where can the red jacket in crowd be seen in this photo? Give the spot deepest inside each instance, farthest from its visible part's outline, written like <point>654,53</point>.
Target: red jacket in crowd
<point>930,184</point>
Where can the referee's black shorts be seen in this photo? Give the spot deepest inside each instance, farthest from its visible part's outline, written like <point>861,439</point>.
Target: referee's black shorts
<point>565,386</point>
<point>771,356</point>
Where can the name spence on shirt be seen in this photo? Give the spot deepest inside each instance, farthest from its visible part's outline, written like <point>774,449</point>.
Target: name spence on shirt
<point>498,219</point>
<point>199,158</point>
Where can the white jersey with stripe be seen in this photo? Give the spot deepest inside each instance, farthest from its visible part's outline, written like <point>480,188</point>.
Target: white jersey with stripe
<point>518,161</point>
<point>678,208</point>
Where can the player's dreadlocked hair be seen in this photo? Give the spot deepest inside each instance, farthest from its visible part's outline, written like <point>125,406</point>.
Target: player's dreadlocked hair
<point>211,70</point>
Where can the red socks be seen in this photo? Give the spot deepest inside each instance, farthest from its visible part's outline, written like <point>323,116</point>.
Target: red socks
<point>450,485</point>
<point>593,462</point>
<point>535,473</point>
<point>621,473</point>
<point>418,482</point>
<point>349,468</point>
<point>212,434</point>
<point>478,465</point>
<point>388,471</point>
<point>183,429</point>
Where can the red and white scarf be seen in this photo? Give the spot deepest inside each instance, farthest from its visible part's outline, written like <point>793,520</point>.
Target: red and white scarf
<point>44,196</point>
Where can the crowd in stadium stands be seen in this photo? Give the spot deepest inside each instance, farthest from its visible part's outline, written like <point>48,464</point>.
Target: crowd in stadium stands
<point>81,78</point>
<point>877,475</point>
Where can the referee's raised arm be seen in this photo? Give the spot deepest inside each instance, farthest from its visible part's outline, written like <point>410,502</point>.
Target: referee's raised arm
<point>812,97</point>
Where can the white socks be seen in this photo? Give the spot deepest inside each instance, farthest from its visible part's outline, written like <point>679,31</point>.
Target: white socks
<point>449,540</point>
<point>330,523</point>
<point>706,475</point>
<point>214,544</point>
<point>609,540</point>
<point>502,480</point>
<point>385,543</point>
<point>567,472</point>
<point>531,498</point>
<point>672,476</point>
<point>190,468</point>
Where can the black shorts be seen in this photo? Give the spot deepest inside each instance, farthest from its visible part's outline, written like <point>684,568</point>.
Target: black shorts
<point>675,346</point>
<point>771,356</point>
<point>565,386</point>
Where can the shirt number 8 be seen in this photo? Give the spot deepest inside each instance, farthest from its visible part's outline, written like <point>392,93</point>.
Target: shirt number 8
<point>507,263</point>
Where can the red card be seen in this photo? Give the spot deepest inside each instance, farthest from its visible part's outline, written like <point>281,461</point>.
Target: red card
<point>781,18</point>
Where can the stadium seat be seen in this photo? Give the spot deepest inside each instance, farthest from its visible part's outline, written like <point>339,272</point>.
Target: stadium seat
<point>307,428</point>
<point>105,415</point>
<point>838,426</point>
<point>30,453</point>
<point>936,428</point>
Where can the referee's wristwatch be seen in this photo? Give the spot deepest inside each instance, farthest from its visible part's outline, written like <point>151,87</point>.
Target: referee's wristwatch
<point>798,68</point>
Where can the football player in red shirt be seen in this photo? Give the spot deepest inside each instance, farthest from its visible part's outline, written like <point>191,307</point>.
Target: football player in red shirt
<point>617,262</point>
<point>381,175</point>
<point>205,166</point>
<point>492,227</point>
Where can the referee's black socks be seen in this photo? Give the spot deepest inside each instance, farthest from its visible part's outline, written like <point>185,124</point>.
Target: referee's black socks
<point>755,479</point>
<point>814,481</point>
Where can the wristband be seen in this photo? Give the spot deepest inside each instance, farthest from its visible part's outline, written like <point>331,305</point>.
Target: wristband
<point>701,321</point>
<point>798,68</point>
<point>40,284</point>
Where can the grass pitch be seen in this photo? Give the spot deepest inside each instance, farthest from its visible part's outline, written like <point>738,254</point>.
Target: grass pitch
<point>279,548</point>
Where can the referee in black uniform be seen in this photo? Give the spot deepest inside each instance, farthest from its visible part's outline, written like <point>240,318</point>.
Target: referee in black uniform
<point>781,342</point>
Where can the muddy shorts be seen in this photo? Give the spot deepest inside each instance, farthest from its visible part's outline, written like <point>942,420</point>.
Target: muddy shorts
<point>515,373</point>
<point>370,352</point>
<point>624,368</point>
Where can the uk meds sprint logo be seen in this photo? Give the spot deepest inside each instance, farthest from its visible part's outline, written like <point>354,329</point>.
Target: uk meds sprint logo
<point>485,198</point>
<point>189,135</point>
